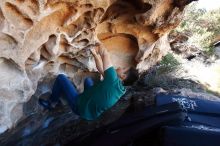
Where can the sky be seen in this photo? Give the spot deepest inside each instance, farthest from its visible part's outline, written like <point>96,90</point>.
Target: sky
<point>209,4</point>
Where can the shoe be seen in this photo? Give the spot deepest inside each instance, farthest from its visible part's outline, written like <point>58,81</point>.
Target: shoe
<point>56,104</point>
<point>59,103</point>
<point>45,103</point>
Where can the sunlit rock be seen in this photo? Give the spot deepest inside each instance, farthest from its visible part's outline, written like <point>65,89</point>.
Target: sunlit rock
<point>42,38</point>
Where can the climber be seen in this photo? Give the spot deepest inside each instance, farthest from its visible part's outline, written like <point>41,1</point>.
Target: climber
<point>96,98</point>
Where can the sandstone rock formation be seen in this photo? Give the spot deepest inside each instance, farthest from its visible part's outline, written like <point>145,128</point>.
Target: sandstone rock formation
<point>42,38</point>
<point>62,127</point>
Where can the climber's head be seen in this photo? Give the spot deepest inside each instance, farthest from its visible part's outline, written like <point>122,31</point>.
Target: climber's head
<point>128,76</point>
<point>122,74</point>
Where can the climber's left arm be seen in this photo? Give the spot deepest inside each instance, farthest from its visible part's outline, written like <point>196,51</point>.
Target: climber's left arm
<point>98,61</point>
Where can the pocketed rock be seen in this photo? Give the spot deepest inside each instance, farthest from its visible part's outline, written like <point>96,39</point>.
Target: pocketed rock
<point>42,38</point>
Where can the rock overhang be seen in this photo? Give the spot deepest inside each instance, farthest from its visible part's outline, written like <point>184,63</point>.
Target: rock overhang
<point>42,38</point>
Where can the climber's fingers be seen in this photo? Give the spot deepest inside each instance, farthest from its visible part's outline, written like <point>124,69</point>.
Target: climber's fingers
<point>99,49</point>
<point>93,51</point>
<point>102,50</point>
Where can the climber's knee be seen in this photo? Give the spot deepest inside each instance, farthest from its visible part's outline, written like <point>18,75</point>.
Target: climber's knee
<point>61,77</point>
<point>88,82</point>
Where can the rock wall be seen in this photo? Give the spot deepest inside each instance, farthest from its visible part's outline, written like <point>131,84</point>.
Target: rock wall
<point>42,38</point>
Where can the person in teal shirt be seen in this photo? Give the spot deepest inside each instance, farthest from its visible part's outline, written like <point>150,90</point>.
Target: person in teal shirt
<point>96,98</point>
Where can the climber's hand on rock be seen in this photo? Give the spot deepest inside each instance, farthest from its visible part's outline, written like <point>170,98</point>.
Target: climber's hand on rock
<point>93,51</point>
<point>102,51</point>
<point>97,58</point>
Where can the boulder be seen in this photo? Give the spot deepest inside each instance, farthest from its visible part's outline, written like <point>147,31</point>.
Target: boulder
<point>42,38</point>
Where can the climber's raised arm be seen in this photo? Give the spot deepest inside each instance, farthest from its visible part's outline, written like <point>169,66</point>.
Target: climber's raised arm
<point>103,52</point>
<point>98,61</point>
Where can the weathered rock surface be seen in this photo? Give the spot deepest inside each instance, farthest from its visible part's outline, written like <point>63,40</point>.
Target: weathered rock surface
<point>42,38</point>
<point>61,127</point>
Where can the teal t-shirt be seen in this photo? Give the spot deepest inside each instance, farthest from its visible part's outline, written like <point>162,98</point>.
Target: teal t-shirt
<point>101,96</point>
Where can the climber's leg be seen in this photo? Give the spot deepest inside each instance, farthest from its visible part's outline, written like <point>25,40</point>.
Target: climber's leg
<point>63,86</point>
<point>88,82</point>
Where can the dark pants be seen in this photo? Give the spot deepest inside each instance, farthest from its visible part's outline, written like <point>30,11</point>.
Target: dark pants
<point>63,87</point>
